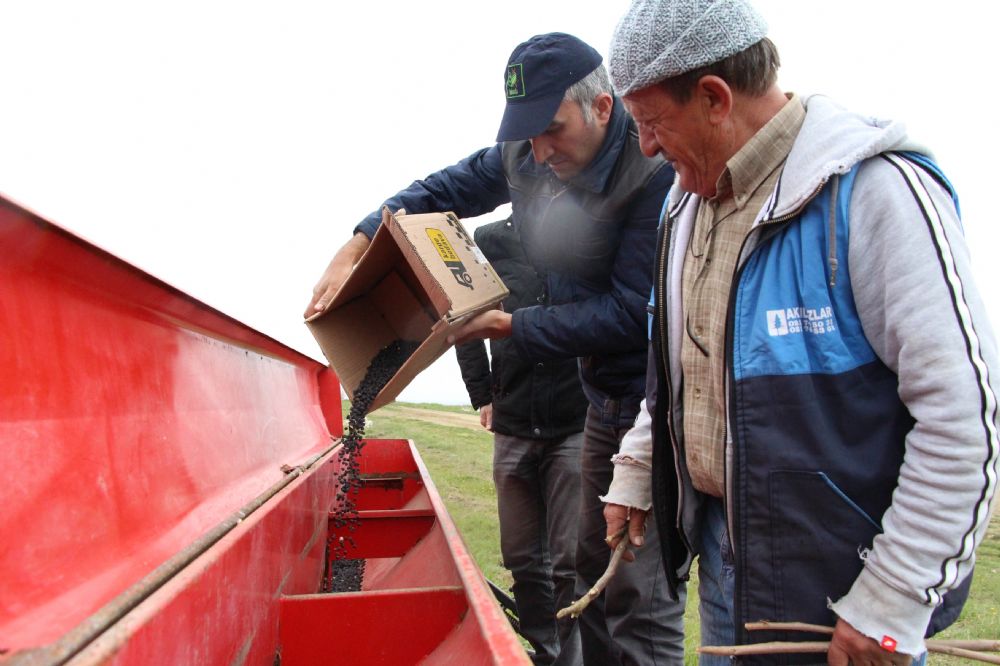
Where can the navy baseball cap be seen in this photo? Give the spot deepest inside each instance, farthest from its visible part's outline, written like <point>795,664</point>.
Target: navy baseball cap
<point>537,76</point>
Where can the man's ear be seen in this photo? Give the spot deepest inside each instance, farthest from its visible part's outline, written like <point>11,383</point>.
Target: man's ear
<point>716,98</point>
<point>601,108</point>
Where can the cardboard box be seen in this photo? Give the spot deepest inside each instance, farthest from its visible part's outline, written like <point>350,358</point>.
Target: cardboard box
<point>421,277</point>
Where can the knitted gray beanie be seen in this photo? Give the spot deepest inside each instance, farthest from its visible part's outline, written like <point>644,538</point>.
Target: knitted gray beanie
<point>657,39</point>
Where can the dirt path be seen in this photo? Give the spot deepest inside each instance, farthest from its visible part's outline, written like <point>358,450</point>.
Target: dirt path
<point>454,419</point>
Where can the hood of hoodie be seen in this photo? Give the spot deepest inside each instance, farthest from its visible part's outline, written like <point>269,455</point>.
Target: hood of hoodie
<point>832,141</point>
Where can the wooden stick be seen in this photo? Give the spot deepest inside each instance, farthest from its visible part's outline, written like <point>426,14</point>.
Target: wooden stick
<point>781,647</point>
<point>979,645</point>
<point>960,652</point>
<point>767,625</point>
<point>972,644</point>
<point>775,647</point>
<point>785,647</point>
<point>575,608</point>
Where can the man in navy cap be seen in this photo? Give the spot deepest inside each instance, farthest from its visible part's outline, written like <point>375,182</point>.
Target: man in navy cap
<point>586,204</point>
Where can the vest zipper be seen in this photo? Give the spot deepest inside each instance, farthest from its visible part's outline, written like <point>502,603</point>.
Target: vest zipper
<point>730,500</point>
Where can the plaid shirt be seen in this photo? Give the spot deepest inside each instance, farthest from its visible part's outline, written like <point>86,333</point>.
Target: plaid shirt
<point>722,224</point>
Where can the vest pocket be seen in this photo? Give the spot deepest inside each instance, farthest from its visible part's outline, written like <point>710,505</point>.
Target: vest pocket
<point>819,536</point>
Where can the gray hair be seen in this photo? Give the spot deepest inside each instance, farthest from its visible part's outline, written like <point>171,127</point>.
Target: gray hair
<point>586,90</point>
<point>752,72</point>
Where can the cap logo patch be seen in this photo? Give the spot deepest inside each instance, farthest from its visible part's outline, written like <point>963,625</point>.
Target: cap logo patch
<point>515,81</point>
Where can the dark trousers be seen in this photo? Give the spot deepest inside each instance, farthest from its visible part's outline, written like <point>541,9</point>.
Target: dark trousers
<point>538,492</point>
<point>633,621</point>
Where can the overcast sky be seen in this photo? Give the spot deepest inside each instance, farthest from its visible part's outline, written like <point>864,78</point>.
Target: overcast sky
<point>229,148</point>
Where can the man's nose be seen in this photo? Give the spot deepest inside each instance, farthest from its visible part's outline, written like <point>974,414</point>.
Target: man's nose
<point>648,143</point>
<point>541,149</point>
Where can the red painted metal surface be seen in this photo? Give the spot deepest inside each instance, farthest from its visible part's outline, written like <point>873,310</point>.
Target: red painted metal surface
<point>168,477</point>
<point>422,600</point>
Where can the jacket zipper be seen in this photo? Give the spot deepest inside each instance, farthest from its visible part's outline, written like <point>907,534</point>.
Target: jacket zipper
<point>730,500</point>
<point>553,194</point>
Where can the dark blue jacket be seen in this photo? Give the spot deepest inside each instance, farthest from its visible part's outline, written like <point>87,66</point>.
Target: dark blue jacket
<point>591,239</point>
<point>531,400</point>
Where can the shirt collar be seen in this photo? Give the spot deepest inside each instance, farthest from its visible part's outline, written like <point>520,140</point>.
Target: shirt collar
<point>595,176</point>
<point>762,154</point>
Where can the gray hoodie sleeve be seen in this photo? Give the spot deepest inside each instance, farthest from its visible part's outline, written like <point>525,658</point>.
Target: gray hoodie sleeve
<point>923,316</point>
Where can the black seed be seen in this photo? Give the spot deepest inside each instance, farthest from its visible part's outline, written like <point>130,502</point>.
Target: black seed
<point>343,574</point>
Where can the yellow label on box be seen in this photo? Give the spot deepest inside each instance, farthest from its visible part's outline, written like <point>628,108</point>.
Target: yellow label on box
<point>450,257</point>
<point>442,245</point>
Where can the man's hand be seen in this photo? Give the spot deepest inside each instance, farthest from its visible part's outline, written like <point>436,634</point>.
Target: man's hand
<point>849,646</point>
<point>486,416</point>
<point>492,324</point>
<point>336,273</point>
<point>616,516</point>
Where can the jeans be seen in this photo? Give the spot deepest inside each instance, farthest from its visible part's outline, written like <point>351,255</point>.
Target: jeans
<point>633,622</point>
<point>538,492</point>
<point>716,581</point>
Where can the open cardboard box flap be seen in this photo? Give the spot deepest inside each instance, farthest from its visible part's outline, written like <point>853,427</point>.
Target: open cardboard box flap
<point>421,277</point>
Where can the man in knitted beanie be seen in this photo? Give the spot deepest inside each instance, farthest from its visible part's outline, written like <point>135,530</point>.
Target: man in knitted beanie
<point>820,426</point>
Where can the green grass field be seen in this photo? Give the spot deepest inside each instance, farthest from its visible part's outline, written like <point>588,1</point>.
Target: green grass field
<point>460,462</point>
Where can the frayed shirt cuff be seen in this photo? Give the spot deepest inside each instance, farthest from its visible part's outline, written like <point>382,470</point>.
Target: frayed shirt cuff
<point>632,484</point>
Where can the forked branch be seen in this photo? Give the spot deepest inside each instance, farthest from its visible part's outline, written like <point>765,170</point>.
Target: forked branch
<point>577,607</point>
